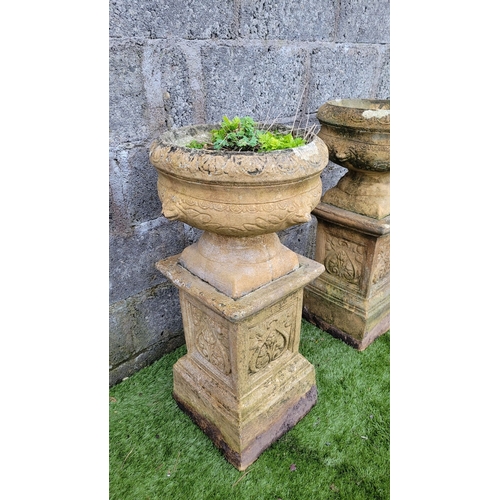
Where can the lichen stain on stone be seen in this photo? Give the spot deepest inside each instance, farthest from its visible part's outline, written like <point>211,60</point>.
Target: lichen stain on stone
<point>376,113</point>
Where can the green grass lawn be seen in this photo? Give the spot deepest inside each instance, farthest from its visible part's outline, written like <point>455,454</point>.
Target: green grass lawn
<point>339,450</point>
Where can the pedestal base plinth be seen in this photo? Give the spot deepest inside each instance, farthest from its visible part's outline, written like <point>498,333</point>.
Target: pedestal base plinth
<point>351,299</point>
<point>243,380</point>
<point>242,440</point>
<point>357,327</point>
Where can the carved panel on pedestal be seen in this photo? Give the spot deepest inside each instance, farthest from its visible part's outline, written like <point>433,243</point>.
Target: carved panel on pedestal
<point>344,260</point>
<point>211,339</point>
<point>382,262</point>
<point>270,338</point>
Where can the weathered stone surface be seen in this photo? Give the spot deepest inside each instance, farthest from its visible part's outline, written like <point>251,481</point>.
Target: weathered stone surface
<point>243,80</point>
<point>383,87</point>
<point>133,186</point>
<point>243,380</point>
<point>300,239</point>
<point>135,321</point>
<point>132,258</point>
<point>192,19</point>
<point>119,219</point>
<point>345,71</point>
<point>145,358</point>
<point>127,99</point>
<point>147,88</point>
<point>351,298</point>
<point>142,329</point>
<point>192,234</point>
<point>366,194</point>
<point>285,20</point>
<point>363,21</point>
<point>331,175</point>
<point>172,81</point>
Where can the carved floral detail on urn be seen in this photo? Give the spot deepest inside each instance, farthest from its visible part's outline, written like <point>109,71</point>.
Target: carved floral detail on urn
<point>236,193</point>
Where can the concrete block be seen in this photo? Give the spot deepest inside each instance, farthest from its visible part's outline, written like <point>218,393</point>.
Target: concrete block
<point>285,20</point>
<point>145,319</point>
<point>192,234</point>
<point>148,89</point>
<point>344,71</point>
<point>135,179</point>
<point>301,238</point>
<point>256,80</point>
<point>121,332</point>
<point>119,221</point>
<point>159,314</point>
<point>331,175</point>
<point>142,329</point>
<point>384,85</point>
<point>191,19</point>
<point>169,76</point>
<point>132,258</point>
<point>127,100</point>
<point>364,21</point>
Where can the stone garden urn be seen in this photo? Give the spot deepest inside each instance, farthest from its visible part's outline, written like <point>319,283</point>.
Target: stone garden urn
<point>357,133</point>
<point>351,299</point>
<point>242,380</point>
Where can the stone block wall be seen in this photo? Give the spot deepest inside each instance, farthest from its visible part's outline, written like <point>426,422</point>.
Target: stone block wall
<point>174,63</point>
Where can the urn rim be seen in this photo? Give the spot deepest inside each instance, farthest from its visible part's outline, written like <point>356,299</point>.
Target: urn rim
<point>181,136</point>
<point>369,114</point>
<point>170,156</point>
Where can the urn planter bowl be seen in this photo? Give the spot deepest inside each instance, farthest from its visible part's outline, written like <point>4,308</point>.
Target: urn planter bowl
<point>242,380</point>
<point>240,200</point>
<point>357,133</point>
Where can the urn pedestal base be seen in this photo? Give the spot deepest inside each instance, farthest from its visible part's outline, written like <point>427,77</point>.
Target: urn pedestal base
<point>351,299</point>
<point>243,381</point>
<point>365,193</point>
<point>238,265</point>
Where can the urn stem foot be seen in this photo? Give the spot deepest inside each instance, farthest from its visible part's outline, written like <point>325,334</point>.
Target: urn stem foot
<point>238,265</point>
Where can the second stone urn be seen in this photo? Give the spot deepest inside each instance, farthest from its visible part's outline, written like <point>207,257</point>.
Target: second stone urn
<point>357,133</point>
<point>242,380</point>
<point>351,299</point>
